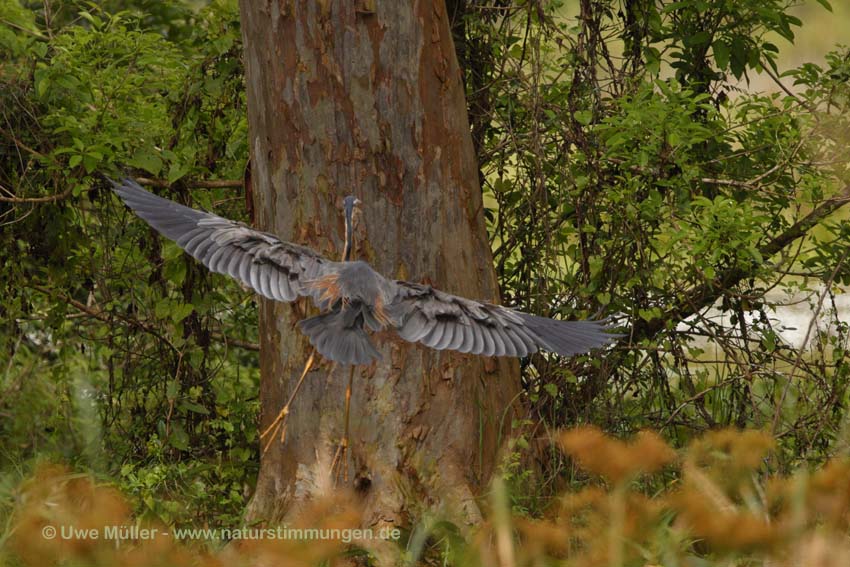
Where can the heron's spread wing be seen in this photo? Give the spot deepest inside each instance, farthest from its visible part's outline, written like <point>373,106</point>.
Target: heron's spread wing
<point>444,321</point>
<point>273,268</point>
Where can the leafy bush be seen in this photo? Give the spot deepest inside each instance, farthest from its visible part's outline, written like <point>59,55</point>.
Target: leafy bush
<point>121,356</point>
<point>628,168</point>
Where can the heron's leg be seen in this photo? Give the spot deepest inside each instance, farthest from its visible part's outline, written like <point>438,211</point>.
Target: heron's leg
<point>279,422</point>
<point>339,456</point>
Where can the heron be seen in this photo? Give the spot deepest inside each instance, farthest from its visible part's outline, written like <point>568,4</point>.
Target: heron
<point>354,299</point>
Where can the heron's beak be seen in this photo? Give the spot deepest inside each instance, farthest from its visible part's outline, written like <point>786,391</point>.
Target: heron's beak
<point>356,211</point>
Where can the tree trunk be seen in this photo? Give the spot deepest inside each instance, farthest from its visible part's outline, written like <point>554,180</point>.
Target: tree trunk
<point>365,98</point>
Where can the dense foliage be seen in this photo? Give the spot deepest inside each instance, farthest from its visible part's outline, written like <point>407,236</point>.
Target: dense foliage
<point>631,171</point>
<point>627,168</point>
<point>119,354</point>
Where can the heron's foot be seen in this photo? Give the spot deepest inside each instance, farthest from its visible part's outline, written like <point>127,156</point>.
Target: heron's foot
<point>339,470</point>
<point>279,424</point>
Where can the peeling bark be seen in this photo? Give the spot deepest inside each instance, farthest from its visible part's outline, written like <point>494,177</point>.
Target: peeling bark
<point>366,98</point>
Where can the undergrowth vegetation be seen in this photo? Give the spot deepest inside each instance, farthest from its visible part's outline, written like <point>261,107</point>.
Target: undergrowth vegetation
<point>641,503</point>
<point>119,355</point>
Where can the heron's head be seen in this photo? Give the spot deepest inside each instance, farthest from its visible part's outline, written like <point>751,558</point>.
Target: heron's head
<point>350,204</point>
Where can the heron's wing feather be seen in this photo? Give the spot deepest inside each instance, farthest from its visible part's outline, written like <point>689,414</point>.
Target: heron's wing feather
<point>273,268</point>
<point>443,321</point>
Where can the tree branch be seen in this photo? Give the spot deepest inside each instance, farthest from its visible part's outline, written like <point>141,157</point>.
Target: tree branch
<point>706,294</point>
<point>201,184</point>
<point>106,318</point>
<point>23,146</point>
<point>49,199</point>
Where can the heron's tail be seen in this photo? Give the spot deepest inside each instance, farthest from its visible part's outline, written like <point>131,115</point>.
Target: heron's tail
<point>338,338</point>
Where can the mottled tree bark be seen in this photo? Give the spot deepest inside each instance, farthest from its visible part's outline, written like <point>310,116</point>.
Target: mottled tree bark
<point>365,98</point>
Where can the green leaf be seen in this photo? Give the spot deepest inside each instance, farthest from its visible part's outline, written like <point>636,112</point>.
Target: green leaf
<point>172,388</point>
<point>146,160</point>
<point>770,341</point>
<point>721,53</point>
<point>825,4</point>
<point>673,139</point>
<point>162,308</point>
<point>194,407</point>
<point>767,46</point>
<point>90,162</point>
<point>652,56</point>
<point>75,160</point>
<point>42,83</point>
<point>96,22</point>
<point>676,6</point>
<point>175,271</point>
<point>176,171</point>
<point>40,48</point>
<point>649,314</point>
<point>700,38</point>
<point>583,117</point>
<point>738,57</point>
<point>178,438</point>
<point>170,251</point>
<point>149,501</point>
<point>181,311</point>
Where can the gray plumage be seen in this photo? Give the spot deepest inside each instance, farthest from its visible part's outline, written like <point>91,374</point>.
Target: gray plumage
<point>352,295</point>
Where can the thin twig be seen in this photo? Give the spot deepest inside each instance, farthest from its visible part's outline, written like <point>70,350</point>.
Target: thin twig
<point>22,145</point>
<point>107,318</point>
<point>49,199</point>
<point>777,411</point>
<point>200,184</point>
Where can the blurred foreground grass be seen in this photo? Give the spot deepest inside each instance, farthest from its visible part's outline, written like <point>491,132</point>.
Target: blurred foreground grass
<point>640,503</point>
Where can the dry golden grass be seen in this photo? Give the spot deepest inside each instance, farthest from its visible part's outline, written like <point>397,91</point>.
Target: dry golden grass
<point>722,508</point>
<point>54,497</point>
<point>614,459</point>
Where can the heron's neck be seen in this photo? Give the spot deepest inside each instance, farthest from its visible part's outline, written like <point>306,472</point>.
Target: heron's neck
<point>349,240</point>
